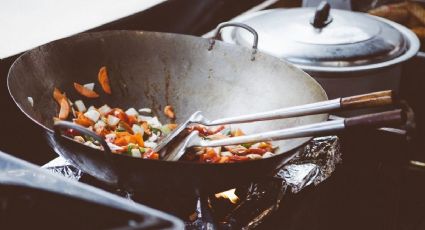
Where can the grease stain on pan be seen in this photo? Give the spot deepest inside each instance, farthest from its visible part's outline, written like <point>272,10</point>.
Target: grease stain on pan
<point>167,85</point>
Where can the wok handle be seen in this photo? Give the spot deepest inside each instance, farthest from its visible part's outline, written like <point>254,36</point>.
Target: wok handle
<point>59,125</point>
<point>317,129</point>
<point>236,24</point>
<point>380,98</point>
<point>375,99</point>
<point>388,118</point>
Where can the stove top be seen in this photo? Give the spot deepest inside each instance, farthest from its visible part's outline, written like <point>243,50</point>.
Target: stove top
<point>243,207</point>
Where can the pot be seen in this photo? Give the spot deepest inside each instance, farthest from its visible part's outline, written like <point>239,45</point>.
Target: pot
<point>347,52</point>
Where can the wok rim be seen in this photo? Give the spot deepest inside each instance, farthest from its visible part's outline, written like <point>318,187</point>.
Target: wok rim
<point>48,130</point>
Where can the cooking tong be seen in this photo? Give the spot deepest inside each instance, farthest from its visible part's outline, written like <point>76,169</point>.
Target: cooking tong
<point>322,128</point>
<point>173,146</point>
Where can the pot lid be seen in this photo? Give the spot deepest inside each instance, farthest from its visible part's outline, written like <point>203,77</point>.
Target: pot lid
<point>322,37</point>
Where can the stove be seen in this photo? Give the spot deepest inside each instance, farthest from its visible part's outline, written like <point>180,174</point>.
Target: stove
<point>243,207</point>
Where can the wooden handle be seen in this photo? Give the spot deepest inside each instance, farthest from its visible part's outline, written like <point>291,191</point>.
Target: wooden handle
<point>389,118</point>
<point>375,99</point>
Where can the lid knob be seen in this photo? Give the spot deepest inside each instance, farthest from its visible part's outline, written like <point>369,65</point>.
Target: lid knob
<point>321,17</point>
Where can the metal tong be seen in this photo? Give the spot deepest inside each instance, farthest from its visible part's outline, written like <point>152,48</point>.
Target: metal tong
<point>322,128</point>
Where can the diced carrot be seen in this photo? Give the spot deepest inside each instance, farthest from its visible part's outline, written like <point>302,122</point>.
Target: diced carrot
<point>121,141</point>
<point>120,114</point>
<point>210,156</point>
<point>169,112</point>
<point>223,160</point>
<point>154,156</point>
<point>139,139</point>
<point>237,133</point>
<point>104,80</point>
<point>83,120</point>
<point>151,155</point>
<point>126,127</point>
<point>58,96</point>
<point>236,158</point>
<point>255,151</point>
<point>132,120</point>
<point>85,91</point>
<point>122,134</point>
<point>64,110</point>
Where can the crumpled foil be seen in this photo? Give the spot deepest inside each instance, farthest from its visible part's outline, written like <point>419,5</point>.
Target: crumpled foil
<point>62,167</point>
<point>314,164</point>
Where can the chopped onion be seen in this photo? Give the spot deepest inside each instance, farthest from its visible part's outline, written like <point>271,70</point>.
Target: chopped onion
<point>153,137</point>
<point>104,109</point>
<point>112,120</point>
<point>254,156</point>
<point>143,118</point>
<point>131,112</point>
<point>217,150</point>
<point>90,144</point>
<point>91,108</point>
<point>73,112</point>
<point>165,129</point>
<point>99,125</point>
<point>145,110</point>
<point>31,101</point>
<point>154,122</point>
<point>137,129</point>
<point>150,144</point>
<point>79,139</point>
<point>226,154</point>
<point>89,86</point>
<point>110,137</point>
<point>135,152</point>
<point>267,155</point>
<point>92,115</point>
<point>114,147</point>
<point>80,106</point>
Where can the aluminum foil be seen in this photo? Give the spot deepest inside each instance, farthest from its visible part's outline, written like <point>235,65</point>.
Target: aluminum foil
<point>314,164</point>
<point>62,167</point>
<point>310,167</point>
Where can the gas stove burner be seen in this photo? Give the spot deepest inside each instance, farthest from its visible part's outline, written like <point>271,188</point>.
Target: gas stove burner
<point>242,207</point>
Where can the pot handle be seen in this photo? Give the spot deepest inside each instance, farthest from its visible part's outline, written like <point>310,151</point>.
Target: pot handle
<point>321,16</point>
<point>59,125</point>
<point>241,25</point>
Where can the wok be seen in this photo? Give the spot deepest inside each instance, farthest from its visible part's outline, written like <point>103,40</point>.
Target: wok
<point>150,69</point>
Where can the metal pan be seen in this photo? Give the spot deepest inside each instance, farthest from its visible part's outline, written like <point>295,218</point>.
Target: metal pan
<point>149,69</point>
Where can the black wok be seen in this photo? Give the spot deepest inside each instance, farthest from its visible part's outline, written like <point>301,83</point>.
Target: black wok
<point>149,69</point>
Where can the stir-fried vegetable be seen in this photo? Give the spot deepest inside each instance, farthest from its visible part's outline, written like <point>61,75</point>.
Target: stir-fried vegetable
<point>136,132</point>
<point>169,112</point>
<point>104,80</point>
<point>64,109</point>
<point>85,91</point>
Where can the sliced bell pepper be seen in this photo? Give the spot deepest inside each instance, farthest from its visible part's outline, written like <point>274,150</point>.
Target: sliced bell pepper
<point>104,80</point>
<point>85,91</point>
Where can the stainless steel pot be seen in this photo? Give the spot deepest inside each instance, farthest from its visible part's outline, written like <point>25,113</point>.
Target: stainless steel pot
<point>346,52</point>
